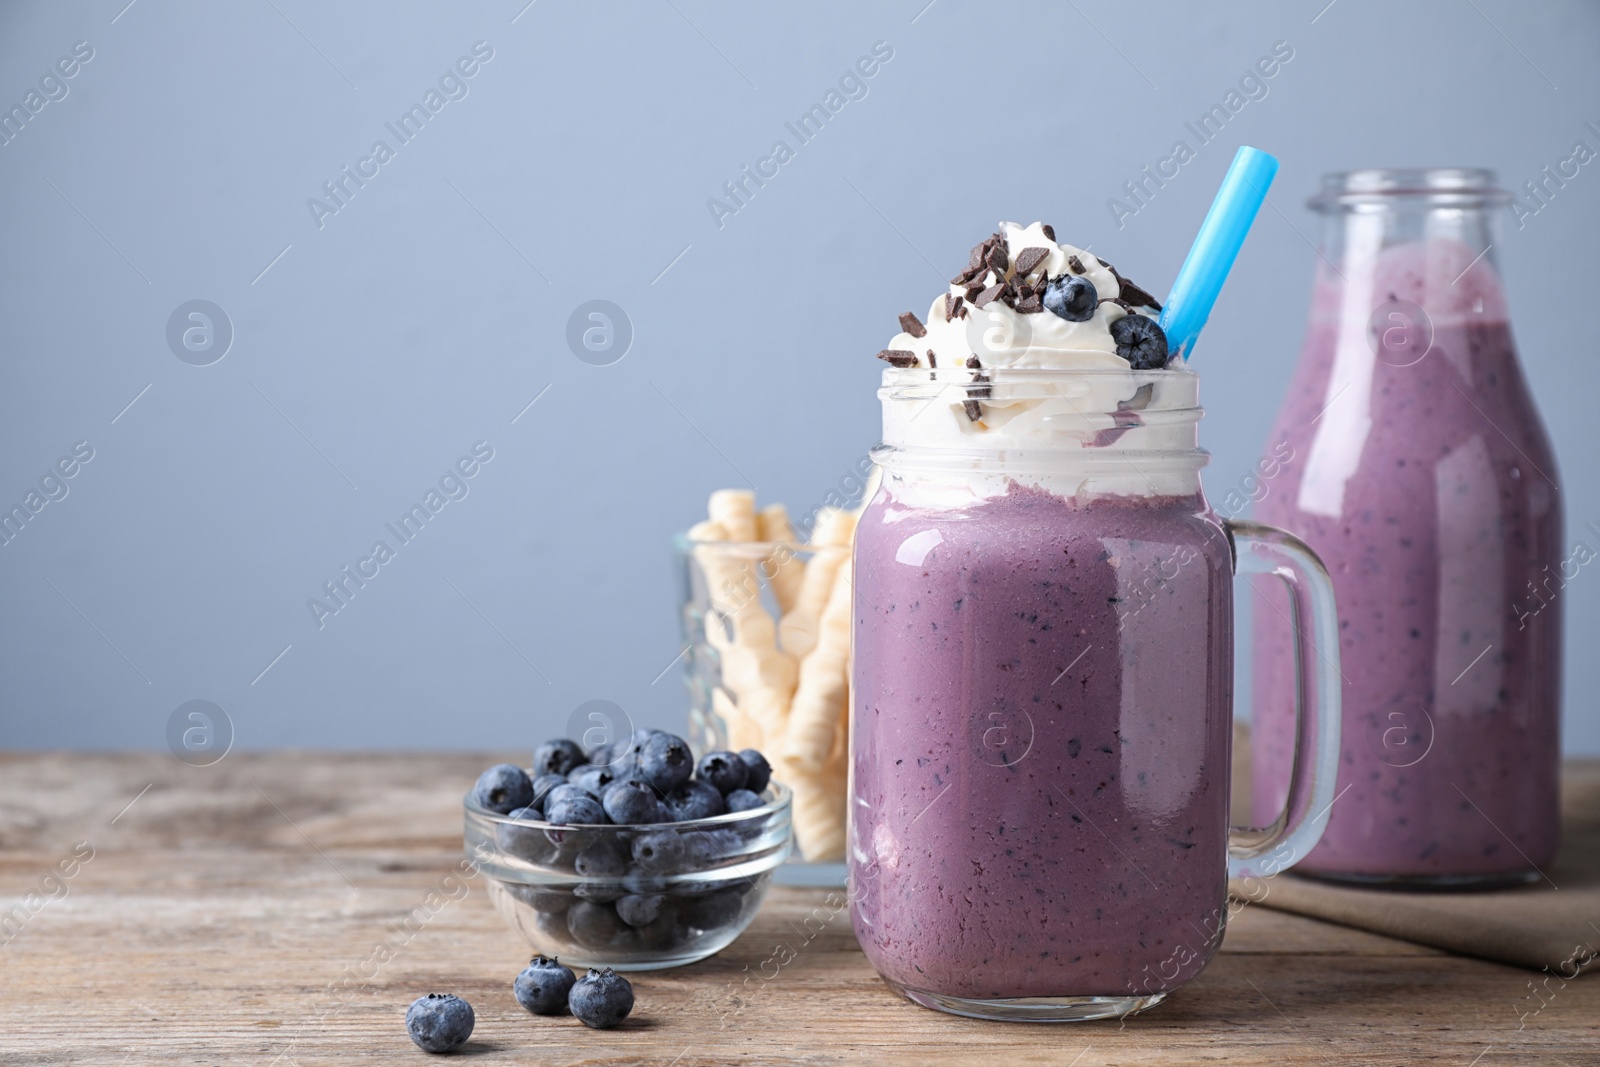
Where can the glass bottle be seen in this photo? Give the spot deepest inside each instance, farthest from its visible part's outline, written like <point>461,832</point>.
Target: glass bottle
<point>1409,456</point>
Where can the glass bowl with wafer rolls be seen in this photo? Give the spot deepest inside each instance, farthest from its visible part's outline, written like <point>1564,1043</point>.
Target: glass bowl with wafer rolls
<point>766,617</point>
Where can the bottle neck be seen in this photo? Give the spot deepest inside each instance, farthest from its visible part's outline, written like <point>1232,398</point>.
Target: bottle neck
<point>1406,253</point>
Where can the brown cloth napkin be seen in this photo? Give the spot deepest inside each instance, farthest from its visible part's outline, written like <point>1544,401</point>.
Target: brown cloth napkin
<point>1553,924</point>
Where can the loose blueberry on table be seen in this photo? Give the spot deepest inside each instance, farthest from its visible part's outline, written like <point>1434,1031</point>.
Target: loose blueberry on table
<point>543,985</point>
<point>601,999</point>
<point>442,1022</point>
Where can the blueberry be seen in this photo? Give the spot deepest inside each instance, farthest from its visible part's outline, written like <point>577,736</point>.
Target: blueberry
<point>557,757</point>
<point>580,810</point>
<point>542,786</point>
<point>725,770</point>
<point>597,892</point>
<point>593,925</point>
<point>638,883</point>
<point>605,857</point>
<point>543,901</point>
<point>713,911</point>
<point>568,841</point>
<point>502,788</point>
<point>1140,341</point>
<point>663,933</point>
<point>632,802</point>
<point>665,762</point>
<point>743,800</point>
<point>1071,297</point>
<point>640,910</point>
<point>525,842</point>
<point>441,1022</point>
<point>643,734</point>
<point>660,851</point>
<point>601,999</point>
<point>593,780</point>
<point>695,799</point>
<point>710,848</point>
<point>758,770</point>
<point>543,985</point>
<point>600,755</point>
<point>566,791</point>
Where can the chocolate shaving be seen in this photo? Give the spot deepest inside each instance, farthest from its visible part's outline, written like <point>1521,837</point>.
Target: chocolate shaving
<point>933,360</point>
<point>954,307</point>
<point>1133,293</point>
<point>974,287</point>
<point>1029,258</point>
<point>1031,304</point>
<point>1076,264</point>
<point>1049,230</point>
<point>980,389</point>
<point>1008,292</point>
<point>988,296</point>
<point>997,257</point>
<point>899,357</point>
<point>913,325</point>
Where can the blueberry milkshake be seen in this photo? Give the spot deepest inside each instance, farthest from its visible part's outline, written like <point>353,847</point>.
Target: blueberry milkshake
<point>1421,474</point>
<point>1041,692</point>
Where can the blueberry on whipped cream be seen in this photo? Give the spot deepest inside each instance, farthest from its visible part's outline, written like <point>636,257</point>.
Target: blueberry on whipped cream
<point>1028,302</point>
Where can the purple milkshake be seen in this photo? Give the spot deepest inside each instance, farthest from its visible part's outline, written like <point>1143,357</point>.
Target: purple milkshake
<point>1042,742</point>
<point>1421,474</point>
<point>1041,698</point>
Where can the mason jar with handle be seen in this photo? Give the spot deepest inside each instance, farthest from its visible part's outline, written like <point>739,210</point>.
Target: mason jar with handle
<point>1042,697</point>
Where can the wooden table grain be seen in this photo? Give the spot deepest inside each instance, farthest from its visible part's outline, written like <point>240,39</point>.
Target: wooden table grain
<point>287,907</point>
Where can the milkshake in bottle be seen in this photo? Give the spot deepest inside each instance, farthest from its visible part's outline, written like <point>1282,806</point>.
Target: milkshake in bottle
<point>1043,652</point>
<point>1411,459</point>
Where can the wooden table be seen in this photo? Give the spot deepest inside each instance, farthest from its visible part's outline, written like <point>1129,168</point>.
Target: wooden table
<point>228,915</point>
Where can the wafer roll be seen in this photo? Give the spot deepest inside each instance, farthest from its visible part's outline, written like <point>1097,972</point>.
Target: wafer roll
<point>742,730</point>
<point>831,538</point>
<point>735,509</point>
<point>819,810</point>
<point>820,696</point>
<point>784,568</point>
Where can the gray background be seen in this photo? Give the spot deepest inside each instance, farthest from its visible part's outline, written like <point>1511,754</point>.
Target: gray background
<point>429,311</point>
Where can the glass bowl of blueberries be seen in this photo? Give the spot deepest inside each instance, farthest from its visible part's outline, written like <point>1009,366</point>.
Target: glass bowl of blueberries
<point>633,855</point>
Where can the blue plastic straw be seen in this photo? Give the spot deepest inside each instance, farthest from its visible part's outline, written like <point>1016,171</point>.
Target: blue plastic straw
<point>1215,248</point>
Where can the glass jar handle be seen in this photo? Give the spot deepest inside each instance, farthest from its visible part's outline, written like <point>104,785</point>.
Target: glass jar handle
<point>1264,851</point>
